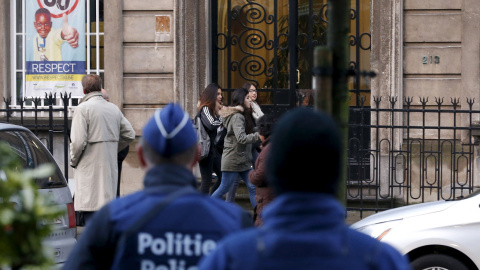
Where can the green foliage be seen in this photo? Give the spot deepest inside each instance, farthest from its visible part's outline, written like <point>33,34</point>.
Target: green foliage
<point>22,211</point>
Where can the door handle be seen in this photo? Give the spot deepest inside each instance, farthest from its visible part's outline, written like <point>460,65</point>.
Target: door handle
<point>298,76</point>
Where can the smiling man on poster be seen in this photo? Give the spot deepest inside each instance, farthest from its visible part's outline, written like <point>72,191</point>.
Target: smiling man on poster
<point>56,59</point>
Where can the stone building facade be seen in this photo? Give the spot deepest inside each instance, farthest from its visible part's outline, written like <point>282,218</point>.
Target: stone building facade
<point>429,49</point>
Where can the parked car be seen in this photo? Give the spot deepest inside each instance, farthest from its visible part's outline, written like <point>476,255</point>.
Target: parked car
<point>33,153</point>
<point>435,235</point>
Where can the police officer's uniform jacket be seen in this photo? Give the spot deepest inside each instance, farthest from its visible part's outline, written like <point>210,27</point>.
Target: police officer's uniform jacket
<point>184,231</point>
<point>303,231</point>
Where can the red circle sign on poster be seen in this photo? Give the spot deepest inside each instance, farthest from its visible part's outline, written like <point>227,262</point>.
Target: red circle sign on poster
<point>58,7</point>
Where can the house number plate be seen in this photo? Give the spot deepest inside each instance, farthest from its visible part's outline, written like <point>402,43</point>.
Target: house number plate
<point>430,59</point>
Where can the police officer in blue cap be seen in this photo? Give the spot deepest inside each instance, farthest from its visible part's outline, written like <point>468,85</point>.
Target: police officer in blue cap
<point>167,225</point>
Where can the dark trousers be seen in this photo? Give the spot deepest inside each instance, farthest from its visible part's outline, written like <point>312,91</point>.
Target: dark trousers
<point>212,163</point>
<point>83,217</point>
<point>120,157</point>
<point>219,178</point>
<point>230,197</point>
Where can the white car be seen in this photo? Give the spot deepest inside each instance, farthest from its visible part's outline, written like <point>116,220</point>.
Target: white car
<point>441,235</point>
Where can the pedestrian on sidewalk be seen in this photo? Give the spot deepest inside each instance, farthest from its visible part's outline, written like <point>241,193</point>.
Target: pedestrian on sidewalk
<point>122,154</point>
<point>237,148</point>
<point>304,227</point>
<point>99,131</point>
<point>168,224</point>
<point>258,176</point>
<point>208,108</point>
<point>252,92</point>
<point>256,114</point>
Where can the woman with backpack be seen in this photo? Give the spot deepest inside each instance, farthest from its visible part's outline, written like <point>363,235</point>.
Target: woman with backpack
<point>209,105</point>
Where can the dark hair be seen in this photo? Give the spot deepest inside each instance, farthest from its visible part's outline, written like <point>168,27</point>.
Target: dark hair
<point>43,11</point>
<point>209,97</point>
<point>265,125</point>
<point>92,83</point>
<point>310,142</point>
<point>238,99</point>
<point>247,85</point>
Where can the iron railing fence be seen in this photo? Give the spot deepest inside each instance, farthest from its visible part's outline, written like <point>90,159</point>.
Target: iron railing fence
<point>50,117</point>
<point>417,152</point>
<point>421,152</point>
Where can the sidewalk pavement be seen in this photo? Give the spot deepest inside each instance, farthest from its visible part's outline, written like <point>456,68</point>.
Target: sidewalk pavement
<point>352,217</point>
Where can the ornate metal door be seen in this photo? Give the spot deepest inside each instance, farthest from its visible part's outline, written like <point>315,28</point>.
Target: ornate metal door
<point>270,43</point>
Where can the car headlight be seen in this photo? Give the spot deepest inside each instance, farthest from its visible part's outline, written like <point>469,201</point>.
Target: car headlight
<point>379,230</point>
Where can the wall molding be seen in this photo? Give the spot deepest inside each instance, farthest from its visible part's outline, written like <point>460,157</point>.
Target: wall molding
<point>113,52</point>
<point>192,51</point>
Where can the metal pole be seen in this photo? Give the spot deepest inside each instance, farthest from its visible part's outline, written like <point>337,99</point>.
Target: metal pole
<point>322,79</point>
<point>292,49</point>
<point>338,31</point>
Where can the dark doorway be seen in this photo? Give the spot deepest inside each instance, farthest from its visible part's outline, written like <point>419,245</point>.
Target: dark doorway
<point>270,43</point>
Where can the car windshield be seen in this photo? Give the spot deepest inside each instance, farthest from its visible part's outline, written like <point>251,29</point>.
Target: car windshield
<point>32,153</point>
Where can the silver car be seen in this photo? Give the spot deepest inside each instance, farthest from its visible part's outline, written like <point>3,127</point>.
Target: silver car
<point>32,153</point>
<point>441,235</point>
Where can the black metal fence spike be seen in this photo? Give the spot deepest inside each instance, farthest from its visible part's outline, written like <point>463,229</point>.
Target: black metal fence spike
<point>424,100</point>
<point>455,101</point>
<point>377,100</point>
<point>470,102</point>
<point>393,100</point>
<point>362,101</point>
<point>408,100</point>
<point>36,101</point>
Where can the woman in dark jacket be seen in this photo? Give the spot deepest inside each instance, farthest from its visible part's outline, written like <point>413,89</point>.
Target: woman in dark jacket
<point>237,147</point>
<point>209,105</point>
<point>263,193</point>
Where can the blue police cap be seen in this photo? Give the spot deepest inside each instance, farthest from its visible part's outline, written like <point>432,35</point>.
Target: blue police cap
<point>170,131</point>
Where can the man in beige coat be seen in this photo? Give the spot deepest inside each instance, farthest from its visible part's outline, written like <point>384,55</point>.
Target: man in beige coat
<point>99,130</point>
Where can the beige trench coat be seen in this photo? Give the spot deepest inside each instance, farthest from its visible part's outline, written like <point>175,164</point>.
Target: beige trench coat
<point>99,131</point>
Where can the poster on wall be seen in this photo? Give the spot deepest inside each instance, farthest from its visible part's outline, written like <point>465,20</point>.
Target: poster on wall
<point>55,47</point>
